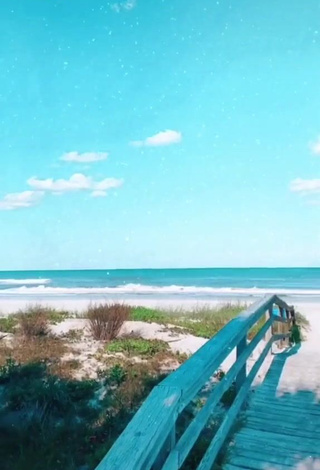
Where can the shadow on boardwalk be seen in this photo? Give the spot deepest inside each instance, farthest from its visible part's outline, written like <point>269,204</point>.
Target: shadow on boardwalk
<point>282,422</point>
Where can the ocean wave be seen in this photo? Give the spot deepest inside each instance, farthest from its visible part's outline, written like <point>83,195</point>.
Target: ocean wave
<point>24,282</point>
<point>140,289</point>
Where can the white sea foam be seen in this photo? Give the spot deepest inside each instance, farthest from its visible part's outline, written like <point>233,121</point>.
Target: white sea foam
<point>24,282</point>
<point>140,289</point>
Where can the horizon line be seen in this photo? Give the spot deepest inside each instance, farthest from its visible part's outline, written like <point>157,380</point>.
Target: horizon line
<point>158,269</point>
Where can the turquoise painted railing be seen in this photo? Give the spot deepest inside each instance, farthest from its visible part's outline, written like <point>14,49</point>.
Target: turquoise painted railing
<point>149,441</point>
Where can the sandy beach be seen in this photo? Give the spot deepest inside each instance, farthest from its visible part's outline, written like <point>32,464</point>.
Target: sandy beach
<point>9,304</point>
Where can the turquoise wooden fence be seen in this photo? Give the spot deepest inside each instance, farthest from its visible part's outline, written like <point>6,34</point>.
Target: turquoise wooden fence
<point>149,441</point>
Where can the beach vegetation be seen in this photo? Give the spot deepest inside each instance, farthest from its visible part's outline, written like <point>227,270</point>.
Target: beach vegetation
<point>204,321</point>
<point>55,423</point>
<point>33,322</point>
<point>137,346</point>
<point>302,321</point>
<point>26,350</point>
<point>106,320</point>
<point>8,324</point>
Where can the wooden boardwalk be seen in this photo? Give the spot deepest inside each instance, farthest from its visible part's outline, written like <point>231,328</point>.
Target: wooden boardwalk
<point>282,421</point>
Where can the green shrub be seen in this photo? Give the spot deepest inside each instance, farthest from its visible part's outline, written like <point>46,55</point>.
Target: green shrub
<point>8,324</point>
<point>137,346</point>
<point>116,375</point>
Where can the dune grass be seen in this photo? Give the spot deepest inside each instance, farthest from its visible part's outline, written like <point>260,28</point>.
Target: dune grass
<point>201,321</point>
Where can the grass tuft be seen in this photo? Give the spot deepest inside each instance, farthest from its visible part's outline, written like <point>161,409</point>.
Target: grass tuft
<point>137,346</point>
<point>9,324</point>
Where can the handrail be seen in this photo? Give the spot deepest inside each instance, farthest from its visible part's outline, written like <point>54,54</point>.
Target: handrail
<point>149,439</point>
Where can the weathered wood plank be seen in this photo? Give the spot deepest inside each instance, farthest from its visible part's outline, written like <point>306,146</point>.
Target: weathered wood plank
<point>277,407</point>
<point>253,462</point>
<point>232,467</point>
<point>287,419</point>
<point>266,435</point>
<point>268,457</point>
<point>276,445</point>
<point>278,427</point>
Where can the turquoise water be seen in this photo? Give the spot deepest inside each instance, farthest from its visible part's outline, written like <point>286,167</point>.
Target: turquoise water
<point>208,282</point>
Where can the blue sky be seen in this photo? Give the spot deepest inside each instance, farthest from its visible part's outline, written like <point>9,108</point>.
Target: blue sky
<point>157,133</point>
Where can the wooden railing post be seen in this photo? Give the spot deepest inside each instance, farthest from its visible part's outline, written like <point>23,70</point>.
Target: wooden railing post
<point>269,314</point>
<point>167,448</point>
<point>242,375</point>
<point>290,313</point>
<point>282,327</point>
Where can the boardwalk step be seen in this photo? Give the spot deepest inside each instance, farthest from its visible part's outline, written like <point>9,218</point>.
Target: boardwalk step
<point>274,447</point>
<point>255,464</point>
<point>277,427</point>
<point>276,407</point>
<point>290,443</point>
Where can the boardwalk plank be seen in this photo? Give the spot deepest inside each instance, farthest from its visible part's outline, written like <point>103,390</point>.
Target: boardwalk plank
<point>256,464</point>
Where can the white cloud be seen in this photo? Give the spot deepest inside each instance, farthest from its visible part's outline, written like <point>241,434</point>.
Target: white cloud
<point>98,193</point>
<point>314,202</point>
<point>87,157</point>
<point>302,186</point>
<point>126,5</point>
<point>167,137</point>
<point>20,200</point>
<point>77,182</point>
<point>315,147</point>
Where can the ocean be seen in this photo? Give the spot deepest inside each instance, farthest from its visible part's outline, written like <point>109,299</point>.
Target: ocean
<point>204,283</point>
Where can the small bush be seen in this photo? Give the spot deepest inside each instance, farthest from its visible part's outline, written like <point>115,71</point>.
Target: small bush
<point>105,320</point>
<point>116,375</point>
<point>137,346</point>
<point>8,324</point>
<point>34,321</point>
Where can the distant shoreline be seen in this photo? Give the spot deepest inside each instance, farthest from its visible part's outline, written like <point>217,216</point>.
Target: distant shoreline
<point>10,304</point>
